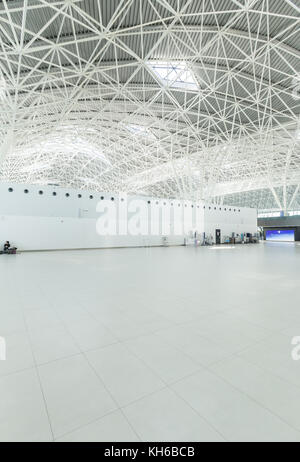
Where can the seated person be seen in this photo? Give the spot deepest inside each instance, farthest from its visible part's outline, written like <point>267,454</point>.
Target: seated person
<point>6,246</point>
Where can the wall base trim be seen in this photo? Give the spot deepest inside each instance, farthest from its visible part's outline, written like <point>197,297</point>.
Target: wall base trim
<point>101,248</point>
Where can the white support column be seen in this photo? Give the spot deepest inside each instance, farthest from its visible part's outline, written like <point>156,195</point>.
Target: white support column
<point>294,196</point>
<point>275,196</point>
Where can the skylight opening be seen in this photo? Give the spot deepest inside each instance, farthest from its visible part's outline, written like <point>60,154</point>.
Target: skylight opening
<point>175,74</point>
<point>140,130</point>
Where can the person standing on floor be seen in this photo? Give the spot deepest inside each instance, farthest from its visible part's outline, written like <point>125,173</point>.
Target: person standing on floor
<point>6,246</point>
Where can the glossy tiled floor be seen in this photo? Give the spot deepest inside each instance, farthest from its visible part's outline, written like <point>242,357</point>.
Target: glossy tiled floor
<point>170,344</point>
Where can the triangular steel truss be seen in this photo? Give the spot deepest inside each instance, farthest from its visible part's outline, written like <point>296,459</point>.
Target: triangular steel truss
<point>83,106</point>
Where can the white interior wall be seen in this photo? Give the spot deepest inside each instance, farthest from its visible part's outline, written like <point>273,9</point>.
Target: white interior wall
<point>36,221</point>
<point>229,220</point>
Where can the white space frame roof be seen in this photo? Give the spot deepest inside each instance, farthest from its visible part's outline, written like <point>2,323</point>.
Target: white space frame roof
<point>195,99</point>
